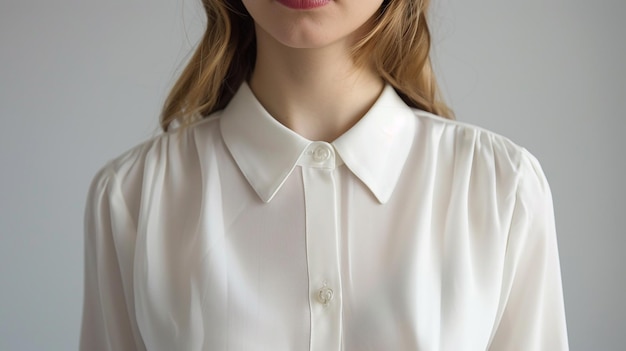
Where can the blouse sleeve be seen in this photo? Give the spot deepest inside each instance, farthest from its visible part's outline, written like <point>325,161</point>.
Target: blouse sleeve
<point>107,321</point>
<point>532,315</point>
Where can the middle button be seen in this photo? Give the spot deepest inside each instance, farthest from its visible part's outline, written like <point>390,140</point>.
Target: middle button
<point>325,295</point>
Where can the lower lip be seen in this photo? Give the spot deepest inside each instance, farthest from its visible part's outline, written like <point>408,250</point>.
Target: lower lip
<point>304,4</point>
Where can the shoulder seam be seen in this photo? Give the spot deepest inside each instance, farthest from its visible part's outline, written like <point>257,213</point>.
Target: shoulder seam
<point>431,116</point>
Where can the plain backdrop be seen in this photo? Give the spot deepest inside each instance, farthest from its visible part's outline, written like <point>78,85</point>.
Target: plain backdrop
<point>82,80</point>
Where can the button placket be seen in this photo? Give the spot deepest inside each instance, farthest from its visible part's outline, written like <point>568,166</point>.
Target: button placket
<point>322,245</point>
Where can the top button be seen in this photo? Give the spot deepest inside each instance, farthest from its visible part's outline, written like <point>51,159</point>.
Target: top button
<point>321,154</point>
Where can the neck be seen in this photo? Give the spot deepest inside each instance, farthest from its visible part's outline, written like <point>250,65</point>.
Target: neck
<point>318,93</point>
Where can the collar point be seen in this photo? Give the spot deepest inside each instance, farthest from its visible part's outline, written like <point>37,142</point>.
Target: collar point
<point>265,196</point>
<point>383,197</point>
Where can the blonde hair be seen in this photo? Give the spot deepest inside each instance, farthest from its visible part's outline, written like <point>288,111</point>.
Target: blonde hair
<point>397,46</point>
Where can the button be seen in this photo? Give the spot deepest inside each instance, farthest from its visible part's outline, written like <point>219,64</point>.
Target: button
<point>321,154</point>
<point>325,295</point>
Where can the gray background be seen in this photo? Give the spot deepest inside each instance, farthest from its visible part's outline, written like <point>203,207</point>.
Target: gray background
<point>82,80</point>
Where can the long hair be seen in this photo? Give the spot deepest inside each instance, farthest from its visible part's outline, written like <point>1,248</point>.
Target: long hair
<point>397,47</point>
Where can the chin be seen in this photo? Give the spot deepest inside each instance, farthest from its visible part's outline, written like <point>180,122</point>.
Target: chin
<point>299,38</point>
<point>310,43</point>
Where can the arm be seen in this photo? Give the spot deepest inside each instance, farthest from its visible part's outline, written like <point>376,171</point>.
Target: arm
<point>106,322</point>
<point>531,314</point>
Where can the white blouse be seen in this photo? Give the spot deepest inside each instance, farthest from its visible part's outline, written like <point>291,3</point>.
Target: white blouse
<point>408,232</point>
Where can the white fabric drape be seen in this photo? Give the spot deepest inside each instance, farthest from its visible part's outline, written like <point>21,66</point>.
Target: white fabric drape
<point>409,232</point>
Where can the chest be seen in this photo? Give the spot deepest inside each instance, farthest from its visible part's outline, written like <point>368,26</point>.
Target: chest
<point>323,266</point>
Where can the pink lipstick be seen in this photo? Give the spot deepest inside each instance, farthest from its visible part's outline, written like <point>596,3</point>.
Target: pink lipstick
<point>304,4</point>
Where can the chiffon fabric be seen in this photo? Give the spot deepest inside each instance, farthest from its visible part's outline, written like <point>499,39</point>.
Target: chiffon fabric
<point>408,232</point>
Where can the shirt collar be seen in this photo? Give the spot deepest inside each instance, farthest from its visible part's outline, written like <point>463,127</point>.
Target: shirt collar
<point>374,149</point>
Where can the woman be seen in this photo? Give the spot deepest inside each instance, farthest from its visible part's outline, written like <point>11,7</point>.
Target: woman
<point>317,195</point>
